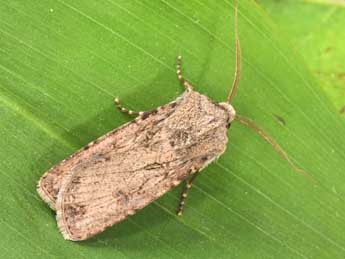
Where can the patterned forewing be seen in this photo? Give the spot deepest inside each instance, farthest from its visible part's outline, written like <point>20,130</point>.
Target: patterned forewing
<point>170,144</point>
<point>120,138</point>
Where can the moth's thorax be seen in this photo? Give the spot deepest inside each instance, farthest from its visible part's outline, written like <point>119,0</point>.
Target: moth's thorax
<point>231,111</point>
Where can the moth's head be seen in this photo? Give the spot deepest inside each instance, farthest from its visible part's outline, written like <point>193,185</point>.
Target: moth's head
<point>230,110</point>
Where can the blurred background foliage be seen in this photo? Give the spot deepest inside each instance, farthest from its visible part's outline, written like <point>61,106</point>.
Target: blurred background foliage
<point>316,31</point>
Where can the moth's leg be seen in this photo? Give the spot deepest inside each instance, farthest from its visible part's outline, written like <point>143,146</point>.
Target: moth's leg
<point>123,109</point>
<point>180,77</point>
<point>185,193</point>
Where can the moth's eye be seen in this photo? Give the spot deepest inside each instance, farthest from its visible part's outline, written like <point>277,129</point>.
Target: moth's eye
<point>229,125</point>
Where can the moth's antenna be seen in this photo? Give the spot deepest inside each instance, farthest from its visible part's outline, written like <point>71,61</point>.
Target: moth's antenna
<point>238,59</point>
<point>275,145</point>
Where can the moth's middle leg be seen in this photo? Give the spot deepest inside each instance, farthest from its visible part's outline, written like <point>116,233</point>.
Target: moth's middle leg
<point>184,194</point>
<point>125,110</point>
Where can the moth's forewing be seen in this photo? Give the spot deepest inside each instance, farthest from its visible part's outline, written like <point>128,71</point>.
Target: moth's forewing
<point>50,183</point>
<point>138,163</point>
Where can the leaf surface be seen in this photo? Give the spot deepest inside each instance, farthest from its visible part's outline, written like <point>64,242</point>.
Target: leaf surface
<point>62,63</point>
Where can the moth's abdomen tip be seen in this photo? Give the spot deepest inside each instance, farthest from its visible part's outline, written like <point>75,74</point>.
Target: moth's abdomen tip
<point>44,196</point>
<point>65,233</point>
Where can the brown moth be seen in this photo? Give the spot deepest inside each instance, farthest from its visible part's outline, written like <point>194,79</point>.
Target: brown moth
<point>133,165</point>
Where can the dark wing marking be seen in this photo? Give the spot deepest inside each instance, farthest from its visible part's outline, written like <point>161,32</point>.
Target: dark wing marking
<point>162,151</point>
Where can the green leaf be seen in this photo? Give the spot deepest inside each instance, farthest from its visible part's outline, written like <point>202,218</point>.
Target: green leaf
<point>319,38</point>
<point>61,64</point>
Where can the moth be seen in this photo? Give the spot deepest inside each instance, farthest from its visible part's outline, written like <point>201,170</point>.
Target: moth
<point>133,165</point>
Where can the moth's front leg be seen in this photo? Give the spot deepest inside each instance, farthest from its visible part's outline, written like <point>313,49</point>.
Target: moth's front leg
<point>180,77</point>
<point>184,194</point>
<point>125,110</point>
